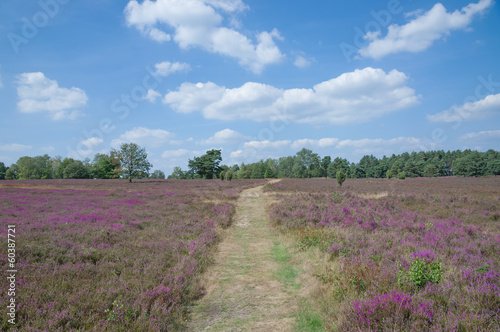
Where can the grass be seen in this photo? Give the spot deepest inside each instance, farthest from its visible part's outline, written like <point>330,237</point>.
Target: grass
<point>307,320</point>
<point>286,273</point>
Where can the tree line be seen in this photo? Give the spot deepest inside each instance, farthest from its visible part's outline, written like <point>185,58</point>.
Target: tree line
<point>129,162</point>
<point>307,164</point>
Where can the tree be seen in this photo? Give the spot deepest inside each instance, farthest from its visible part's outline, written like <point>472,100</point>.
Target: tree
<point>102,168</point>
<point>341,176</point>
<point>12,172</point>
<point>76,170</point>
<point>325,162</point>
<point>494,167</point>
<point>229,174</point>
<point>157,175</point>
<point>206,166</point>
<point>3,170</point>
<point>177,174</point>
<point>134,161</point>
<point>221,176</point>
<point>389,174</point>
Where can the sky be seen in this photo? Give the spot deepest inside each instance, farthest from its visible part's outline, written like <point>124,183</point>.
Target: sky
<point>257,79</point>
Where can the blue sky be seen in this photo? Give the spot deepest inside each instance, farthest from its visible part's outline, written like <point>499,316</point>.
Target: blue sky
<point>256,79</point>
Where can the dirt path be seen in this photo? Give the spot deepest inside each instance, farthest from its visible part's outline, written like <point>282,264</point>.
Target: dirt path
<point>243,292</point>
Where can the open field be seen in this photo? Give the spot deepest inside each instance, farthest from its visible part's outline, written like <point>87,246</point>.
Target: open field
<point>108,255</point>
<point>374,255</point>
<point>399,255</point>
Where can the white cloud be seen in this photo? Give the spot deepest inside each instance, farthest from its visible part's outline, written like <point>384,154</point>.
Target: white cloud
<point>469,111</point>
<point>311,143</point>
<point>198,23</point>
<point>180,153</point>
<point>353,97</point>
<point>37,93</point>
<point>167,68</point>
<point>419,34</point>
<point>92,142</point>
<point>226,136</point>
<point>301,62</point>
<point>14,147</point>
<point>144,137</point>
<point>152,95</point>
<point>481,135</point>
<point>256,150</point>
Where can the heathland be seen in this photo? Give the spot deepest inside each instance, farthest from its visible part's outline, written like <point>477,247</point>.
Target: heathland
<point>162,255</point>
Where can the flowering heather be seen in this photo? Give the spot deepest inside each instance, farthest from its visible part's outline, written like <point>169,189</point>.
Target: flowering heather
<point>108,255</point>
<point>407,260</point>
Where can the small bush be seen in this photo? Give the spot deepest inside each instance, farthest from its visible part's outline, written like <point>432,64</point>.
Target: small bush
<point>341,177</point>
<point>401,175</point>
<point>420,273</point>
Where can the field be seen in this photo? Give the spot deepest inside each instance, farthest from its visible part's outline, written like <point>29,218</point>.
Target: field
<point>402,255</point>
<point>386,255</point>
<point>108,255</point>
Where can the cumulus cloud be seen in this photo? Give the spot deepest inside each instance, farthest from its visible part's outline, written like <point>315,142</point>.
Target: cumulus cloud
<point>152,95</point>
<point>198,23</point>
<point>421,32</point>
<point>255,150</point>
<point>301,62</point>
<point>144,137</point>
<point>92,142</point>
<point>353,97</point>
<point>14,147</point>
<point>469,111</point>
<point>167,68</point>
<point>311,143</point>
<point>482,135</point>
<point>37,93</point>
<point>226,136</point>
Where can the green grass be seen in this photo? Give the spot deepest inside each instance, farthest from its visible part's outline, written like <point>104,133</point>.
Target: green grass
<point>307,320</point>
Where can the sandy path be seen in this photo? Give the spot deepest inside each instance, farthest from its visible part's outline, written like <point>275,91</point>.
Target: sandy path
<point>243,293</point>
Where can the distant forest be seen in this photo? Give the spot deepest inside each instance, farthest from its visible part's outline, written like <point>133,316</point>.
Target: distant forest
<point>305,164</point>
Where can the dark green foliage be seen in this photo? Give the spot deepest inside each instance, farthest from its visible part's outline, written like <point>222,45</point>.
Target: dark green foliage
<point>341,176</point>
<point>75,170</point>
<point>401,175</point>
<point>229,175</point>
<point>134,161</point>
<point>206,166</point>
<point>158,175</point>
<point>3,170</point>
<point>420,273</point>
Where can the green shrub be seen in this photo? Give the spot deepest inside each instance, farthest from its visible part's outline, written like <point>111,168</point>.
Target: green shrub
<point>401,175</point>
<point>420,273</point>
<point>341,177</point>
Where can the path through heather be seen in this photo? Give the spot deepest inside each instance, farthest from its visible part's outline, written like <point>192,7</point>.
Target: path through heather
<point>243,293</point>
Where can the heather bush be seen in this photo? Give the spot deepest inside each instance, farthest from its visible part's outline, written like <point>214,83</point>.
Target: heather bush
<point>108,255</point>
<point>437,250</point>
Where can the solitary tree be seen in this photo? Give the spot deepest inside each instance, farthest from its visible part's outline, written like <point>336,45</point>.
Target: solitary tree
<point>206,166</point>
<point>341,177</point>
<point>229,175</point>
<point>134,161</point>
